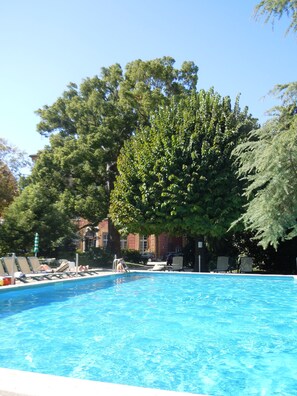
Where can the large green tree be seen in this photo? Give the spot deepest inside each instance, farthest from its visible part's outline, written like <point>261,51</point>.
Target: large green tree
<point>177,176</point>
<point>268,162</point>
<point>89,124</point>
<point>36,209</point>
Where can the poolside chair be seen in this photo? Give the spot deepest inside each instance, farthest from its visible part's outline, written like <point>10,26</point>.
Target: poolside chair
<point>72,269</point>
<point>23,265</point>
<point>177,263</point>
<point>35,264</point>
<point>4,275</point>
<point>245,264</point>
<point>10,268</point>
<point>2,270</point>
<point>222,264</point>
<point>159,266</point>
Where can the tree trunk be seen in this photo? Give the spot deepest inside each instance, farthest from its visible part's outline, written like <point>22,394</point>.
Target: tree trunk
<point>114,244</point>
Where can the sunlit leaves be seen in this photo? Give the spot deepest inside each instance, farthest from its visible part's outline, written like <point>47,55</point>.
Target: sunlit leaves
<point>89,124</point>
<point>268,162</point>
<point>275,9</point>
<point>182,180</point>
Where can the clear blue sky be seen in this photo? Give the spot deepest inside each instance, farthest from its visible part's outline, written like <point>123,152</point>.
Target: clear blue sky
<point>45,44</point>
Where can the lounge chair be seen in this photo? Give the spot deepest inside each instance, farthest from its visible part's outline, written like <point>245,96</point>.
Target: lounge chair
<point>2,270</point>
<point>36,267</point>
<point>246,264</point>
<point>72,269</point>
<point>10,268</point>
<point>35,264</point>
<point>177,263</point>
<point>36,275</point>
<point>158,266</point>
<point>222,264</point>
<point>4,274</point>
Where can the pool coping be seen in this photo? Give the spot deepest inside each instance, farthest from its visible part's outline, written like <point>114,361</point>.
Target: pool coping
<point>25,383</point>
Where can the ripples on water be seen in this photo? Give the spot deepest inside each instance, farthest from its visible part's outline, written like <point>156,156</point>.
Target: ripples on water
<point>209,334</point>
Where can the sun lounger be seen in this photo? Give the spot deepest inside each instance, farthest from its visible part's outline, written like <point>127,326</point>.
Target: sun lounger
<point>246,264</point>
<point>59,272</point>
<point>177,263</point>
<point>36,264</point>
<point>6,278</point>
<point>23,265</point>
<point>10,267</point>
<point>222,264</point>
<point>36,275</point>
<point>2,270</point>
<point>158,266</point>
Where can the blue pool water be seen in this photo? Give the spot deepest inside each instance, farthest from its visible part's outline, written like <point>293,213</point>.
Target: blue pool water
<point>209,334</point>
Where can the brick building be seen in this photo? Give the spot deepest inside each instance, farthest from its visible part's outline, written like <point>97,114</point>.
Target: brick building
<point>158,245</point>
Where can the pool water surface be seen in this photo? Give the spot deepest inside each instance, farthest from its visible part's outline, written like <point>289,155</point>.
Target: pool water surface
<point>208,334</point>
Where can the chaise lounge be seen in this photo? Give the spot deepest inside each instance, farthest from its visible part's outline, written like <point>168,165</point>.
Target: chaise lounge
<point>246,264</point>
<point>222,264</point>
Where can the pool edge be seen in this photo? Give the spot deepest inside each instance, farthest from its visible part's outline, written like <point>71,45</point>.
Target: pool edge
<point>25,383</point>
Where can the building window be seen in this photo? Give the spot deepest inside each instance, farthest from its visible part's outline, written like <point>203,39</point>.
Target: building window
<point>123,242</point>
<point>89,239</point>
<point>142,243</point>
<point>105,239</point>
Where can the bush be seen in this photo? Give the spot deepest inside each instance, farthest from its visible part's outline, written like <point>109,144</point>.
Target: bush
<point>132,256</point>
<point>96,257</point>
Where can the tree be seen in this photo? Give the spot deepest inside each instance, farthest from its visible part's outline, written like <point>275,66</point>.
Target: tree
<point>176,176</point>
<point>36,209</point>
<point>276,8</point>
<point>8,187</point>
<point>89,124</point>
<point>268,162</point>
<point>12,161</point>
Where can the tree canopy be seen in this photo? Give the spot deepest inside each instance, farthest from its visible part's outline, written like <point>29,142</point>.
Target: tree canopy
<point>12,161</point>
<point>268,162</point>
<point>36,209</point>
<point>87,126</point>
<point>177,176</point>
<point>273,9</point>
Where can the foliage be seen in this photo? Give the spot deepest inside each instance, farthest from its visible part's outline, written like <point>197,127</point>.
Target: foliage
<point>276,8</point>
<point>11,162</point>
<point>13,158</point>
<point>35,210</point>
<point>95,257</point>
<point>88,126</point>
<point>268,162</point>
<point>8,187</point>
<point>131,255</point>
<point>148,85</point>
<point>177,176</point>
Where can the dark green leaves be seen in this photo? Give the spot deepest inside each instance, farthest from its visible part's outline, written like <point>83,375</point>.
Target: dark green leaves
<point>182,180</point>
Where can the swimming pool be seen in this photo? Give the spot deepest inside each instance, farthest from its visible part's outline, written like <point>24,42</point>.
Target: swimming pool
<point>209,334</point>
